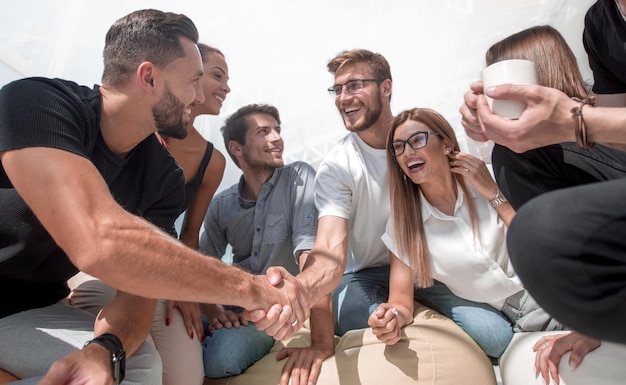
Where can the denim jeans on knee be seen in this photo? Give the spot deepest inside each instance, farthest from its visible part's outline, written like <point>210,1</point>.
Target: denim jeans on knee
<point>228,352</point>
<point>487,326</point>
<point>357,296</point>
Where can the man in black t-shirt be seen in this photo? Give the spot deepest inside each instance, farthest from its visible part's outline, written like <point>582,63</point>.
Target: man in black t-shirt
<point>85,185</point>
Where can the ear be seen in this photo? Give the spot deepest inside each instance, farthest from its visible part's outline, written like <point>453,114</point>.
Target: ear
<point>447,148</point>
<point>387,87</point>
<point>235,148</point>
<point>145,75</point>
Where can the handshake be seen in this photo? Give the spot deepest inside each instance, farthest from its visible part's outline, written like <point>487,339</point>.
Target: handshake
<point>280,306</point>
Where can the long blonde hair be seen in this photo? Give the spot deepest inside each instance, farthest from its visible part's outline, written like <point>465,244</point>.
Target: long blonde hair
<point>406,209</point>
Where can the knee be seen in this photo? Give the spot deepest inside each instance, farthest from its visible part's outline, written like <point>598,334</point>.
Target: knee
<point>144,366</point>
<point>491,332</point>
<point>228,352</point>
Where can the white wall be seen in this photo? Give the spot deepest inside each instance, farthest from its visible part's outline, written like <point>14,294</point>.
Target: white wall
<point>277,50</point>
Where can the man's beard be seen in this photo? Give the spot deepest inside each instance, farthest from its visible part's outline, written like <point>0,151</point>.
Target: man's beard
<point>260,164</point>
<point>168,116</point>
<point>371,116</point>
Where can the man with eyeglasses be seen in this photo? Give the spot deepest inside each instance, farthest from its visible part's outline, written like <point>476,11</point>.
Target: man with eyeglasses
<point>352,195</point>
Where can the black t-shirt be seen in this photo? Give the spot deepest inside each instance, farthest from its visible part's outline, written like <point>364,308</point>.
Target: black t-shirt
<point>604,39</point>
<point>40,112</point>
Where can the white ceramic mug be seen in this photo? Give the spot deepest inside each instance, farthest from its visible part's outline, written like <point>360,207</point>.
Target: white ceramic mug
<point>514,71</point>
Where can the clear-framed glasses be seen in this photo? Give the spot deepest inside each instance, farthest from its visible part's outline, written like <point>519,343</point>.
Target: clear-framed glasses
<point>417,140</point>
<point>352,87</point>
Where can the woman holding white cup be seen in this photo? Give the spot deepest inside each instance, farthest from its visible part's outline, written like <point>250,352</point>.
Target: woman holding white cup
<point>522,177</point>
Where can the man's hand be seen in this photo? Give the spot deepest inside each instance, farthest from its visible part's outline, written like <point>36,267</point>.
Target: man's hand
<point>290,309</point>
<point>547,119</point>
<point>304,364</point>
<point>385,324</point>
<point>550,349</point>
<point>192,317</point>
<point>219,317</point>
<point>91,365</point>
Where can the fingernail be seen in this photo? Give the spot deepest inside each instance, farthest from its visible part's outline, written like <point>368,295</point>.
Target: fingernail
<point>191,335</point>
<point>572,364</point>
<point>167,322</point>
<point>202,339</point>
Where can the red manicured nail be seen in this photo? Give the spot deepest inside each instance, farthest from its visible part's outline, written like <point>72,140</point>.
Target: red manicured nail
<point>167,321</point>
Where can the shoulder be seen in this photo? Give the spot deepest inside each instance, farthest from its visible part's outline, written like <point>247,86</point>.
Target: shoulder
<point>300,167</point>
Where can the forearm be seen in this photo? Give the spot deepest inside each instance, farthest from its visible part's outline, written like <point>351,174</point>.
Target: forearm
<point>606,125</point>
<point>128,317</point>
<point>323,267</point>
<point>321,273</point>
<point>322,325</point>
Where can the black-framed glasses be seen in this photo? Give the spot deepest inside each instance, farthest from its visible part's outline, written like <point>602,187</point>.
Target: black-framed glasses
<point>352,87</point>
<point>417,140</point>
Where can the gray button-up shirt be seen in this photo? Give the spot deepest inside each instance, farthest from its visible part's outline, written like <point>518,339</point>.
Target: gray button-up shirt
<point>272,231</point>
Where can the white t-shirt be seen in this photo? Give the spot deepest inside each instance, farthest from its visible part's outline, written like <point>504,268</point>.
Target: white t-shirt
<point>352,183</point>
<point>480,272</point>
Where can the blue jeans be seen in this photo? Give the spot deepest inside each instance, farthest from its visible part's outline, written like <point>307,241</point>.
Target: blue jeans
<point>357,296</point>
<point>228,352</point>
<point>487,326</point>
<point>31,341</point>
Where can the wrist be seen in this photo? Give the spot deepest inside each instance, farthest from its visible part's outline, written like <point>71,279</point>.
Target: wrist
<point>498,200</point>
<point>118,357</point>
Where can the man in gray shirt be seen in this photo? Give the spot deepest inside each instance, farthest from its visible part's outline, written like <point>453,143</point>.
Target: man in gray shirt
<point>269,219</point>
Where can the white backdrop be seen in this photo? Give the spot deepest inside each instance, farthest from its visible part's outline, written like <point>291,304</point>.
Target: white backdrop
<point>277,50</point>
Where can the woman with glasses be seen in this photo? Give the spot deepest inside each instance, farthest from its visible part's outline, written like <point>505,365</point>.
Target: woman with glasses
<point>447,239</point>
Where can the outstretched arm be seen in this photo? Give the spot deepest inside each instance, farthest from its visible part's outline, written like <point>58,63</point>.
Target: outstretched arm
<point>72,201</point>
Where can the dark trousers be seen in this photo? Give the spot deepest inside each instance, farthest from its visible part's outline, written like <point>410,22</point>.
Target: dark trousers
<point>522,177</point>
<point>569,246</point>
<point>569,249</point>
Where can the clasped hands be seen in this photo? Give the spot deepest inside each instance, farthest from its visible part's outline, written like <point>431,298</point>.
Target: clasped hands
<point>284,306</point>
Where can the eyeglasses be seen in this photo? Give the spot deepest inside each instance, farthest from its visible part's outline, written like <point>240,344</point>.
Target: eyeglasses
<point>416,141</point>
<point>352,87</point>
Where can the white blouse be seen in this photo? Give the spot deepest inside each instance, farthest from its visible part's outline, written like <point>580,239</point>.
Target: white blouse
<point>474,270</point>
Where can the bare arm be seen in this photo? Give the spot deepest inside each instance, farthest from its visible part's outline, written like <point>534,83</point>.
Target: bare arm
<point>611,100</point>
<point>326,262</point>
<point>197,209</point>
<point>476,172</point>
<point>389,318</point>
<point>72,201</point>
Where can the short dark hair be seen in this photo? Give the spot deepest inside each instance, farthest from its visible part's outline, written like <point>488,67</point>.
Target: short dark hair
<point>144,35</point>
<point>236,126</point>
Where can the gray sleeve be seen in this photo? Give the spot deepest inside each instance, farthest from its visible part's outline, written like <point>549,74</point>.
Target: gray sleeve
<point>212,239</point>
<point>304,220</point>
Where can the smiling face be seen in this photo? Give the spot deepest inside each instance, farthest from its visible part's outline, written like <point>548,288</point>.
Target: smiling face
<point>181,91</point>
<point>264,145</point>
<point>214,83</point>
<point>424,164</point>
<point>361,110</point>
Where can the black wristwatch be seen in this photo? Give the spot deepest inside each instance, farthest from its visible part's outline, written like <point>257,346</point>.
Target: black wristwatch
<point>118,356</point>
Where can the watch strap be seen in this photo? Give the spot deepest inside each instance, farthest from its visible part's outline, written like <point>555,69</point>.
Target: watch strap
<point>118,357</point>
<point>498,200</point>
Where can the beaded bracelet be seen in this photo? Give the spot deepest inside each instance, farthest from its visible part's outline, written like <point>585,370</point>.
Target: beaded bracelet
<point>582,141</point>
